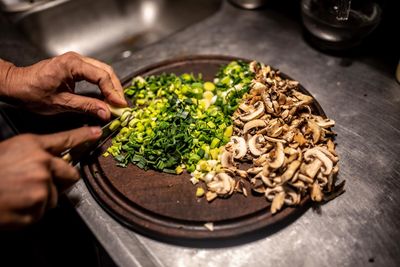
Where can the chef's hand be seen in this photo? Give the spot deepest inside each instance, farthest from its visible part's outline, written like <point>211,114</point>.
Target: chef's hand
<point>32,174</point>
<point>47,87</point>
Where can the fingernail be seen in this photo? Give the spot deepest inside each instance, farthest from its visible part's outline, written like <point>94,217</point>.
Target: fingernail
<point>102,114</point>
<point>95,130</point>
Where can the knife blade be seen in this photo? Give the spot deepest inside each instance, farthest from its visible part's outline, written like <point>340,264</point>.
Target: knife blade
<point>75,154</point>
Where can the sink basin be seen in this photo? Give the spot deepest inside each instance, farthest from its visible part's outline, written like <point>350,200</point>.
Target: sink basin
<point>108,29</point>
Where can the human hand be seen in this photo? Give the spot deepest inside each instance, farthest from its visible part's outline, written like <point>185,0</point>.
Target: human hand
<point>47,87</point>
<point>32,173</point>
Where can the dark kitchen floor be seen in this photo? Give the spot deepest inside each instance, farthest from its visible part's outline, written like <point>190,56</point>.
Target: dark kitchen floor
<point>60,239</point>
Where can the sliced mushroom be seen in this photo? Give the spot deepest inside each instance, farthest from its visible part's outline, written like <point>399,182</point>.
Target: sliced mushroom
<point>222,184</point>
<point>253,124</point>
<point>210,196</point>
<point>271,192</point>
<point>269,107</point>
<point>299,138</point>
<point>239,147</point>
<point>227,160</point>
<point>332,157</point>
<point>252,115</point>
<point>324,123</point>
<point>331,147</point>
<point>238,123</point>
<point>245,107</point>
<point>316,153</point>
<point>254,170</point>
<point>258,86</point>
<point>316,193</point>
<point>256,145</point>
<point>239,186</point>
<point>312,168</point>
<point>279,157</point>
<point>298,184</point>
<point>278,202</point>
<point>260,160</point>
<point>268,182</point>
<point>241,173</point>
<point>254,66</point>
<point>322,180</point>
<point>290,148</point>
<point>258,186</point>
<point>305,178</point>
<point>290,171</point>
<point>265,71</point>
<point>304,99</point>
<point>275,140</point>
<point>209,177</point>
<point>316,131</point>
<point>292,198</point>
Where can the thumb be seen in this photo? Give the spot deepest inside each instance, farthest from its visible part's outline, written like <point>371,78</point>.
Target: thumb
<point>59,142</point>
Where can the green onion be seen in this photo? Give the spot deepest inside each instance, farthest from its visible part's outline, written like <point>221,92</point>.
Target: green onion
<point>178,121</point>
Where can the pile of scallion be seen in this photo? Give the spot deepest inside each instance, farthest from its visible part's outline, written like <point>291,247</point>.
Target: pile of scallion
<point>178,121</point>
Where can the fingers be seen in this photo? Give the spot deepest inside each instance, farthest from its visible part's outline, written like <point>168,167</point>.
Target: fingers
<point>98,73</point>
<point>59,142</point>
<point>114,79</point>
<point>70,101</point>
<point>64,175</point>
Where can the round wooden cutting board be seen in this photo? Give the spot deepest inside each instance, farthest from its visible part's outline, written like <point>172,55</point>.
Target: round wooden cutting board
<point>164,206</point>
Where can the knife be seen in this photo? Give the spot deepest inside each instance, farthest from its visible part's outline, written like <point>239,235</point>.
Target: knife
<point>75,154</point>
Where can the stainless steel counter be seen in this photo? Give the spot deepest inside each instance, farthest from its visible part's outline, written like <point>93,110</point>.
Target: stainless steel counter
<point>361,227</point>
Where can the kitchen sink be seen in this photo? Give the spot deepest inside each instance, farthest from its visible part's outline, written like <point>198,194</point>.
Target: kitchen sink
<point>109,30</point>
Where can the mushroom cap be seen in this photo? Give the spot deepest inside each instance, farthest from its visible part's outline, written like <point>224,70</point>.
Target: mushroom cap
<point>290,171</point>
<point>227,160</point>
<point>279,157</point>
<point>324,123</point>
<point>277,202</point>
<point>253,124</point>
<point>254,145</point>
<point>271,192</point>
<point>222,184</point>
<point>239,147</point>
<point>254,114</point>
<point>316,153</point>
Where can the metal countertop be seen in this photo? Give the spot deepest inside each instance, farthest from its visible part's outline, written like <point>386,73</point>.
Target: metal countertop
<point>361,227</point>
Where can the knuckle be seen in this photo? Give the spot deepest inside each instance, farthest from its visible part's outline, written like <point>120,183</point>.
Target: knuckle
<point>68,57</point>
<point>105,75</point>
<point>108,69</point>
<point>69,140</point>
<point>89,106</point>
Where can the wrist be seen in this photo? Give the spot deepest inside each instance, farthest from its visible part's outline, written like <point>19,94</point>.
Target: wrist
<point>11,81</point>
<point>6,71</point>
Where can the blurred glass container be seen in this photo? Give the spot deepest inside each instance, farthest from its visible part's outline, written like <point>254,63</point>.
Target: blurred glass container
<point>339,24</point>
